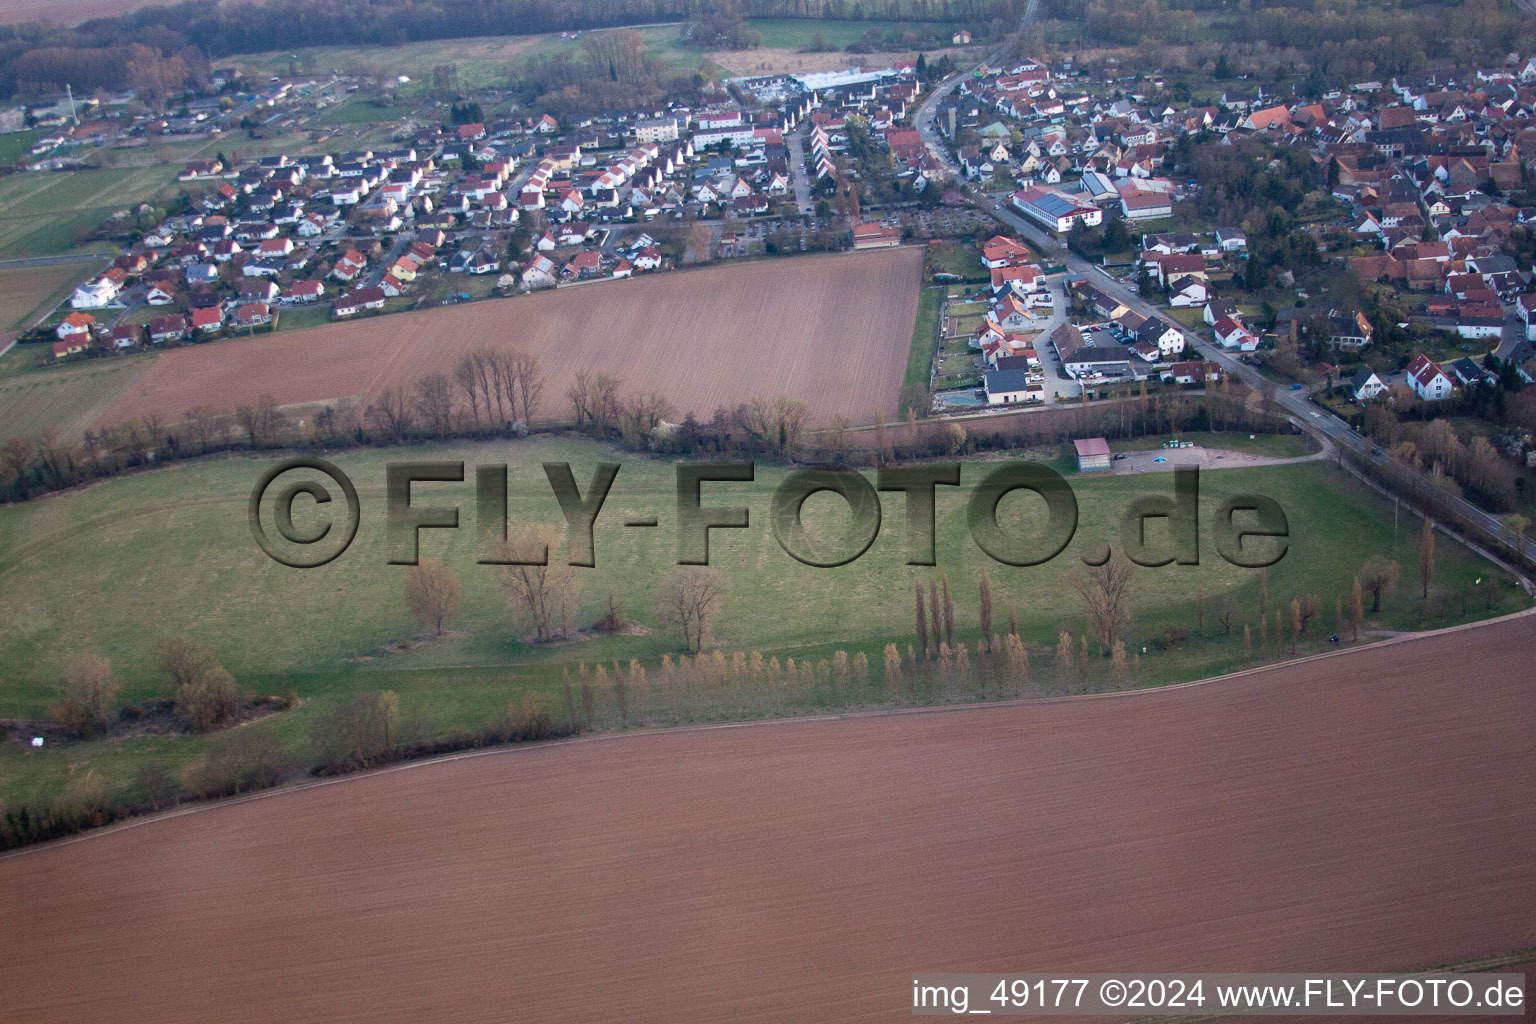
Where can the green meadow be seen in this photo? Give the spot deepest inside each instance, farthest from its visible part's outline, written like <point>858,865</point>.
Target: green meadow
<point>115,568</point>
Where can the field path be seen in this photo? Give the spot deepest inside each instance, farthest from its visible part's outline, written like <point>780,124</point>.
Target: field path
<point>1367,811</point>
<point>832,330</point>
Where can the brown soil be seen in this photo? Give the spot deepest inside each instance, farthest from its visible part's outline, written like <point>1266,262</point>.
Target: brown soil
<point>832,330</point>
<point>66,12</point>
<point>1371,811</point>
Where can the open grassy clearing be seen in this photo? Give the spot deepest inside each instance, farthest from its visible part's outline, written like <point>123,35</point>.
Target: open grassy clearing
<point>49,212</point>
<point>79,568</point>
<point>68,398</point>
<point>482,61</point>
<point>925,337</point>
<point>14,144</point>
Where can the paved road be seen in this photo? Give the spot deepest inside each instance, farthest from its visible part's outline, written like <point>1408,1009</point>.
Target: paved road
<point>1295,403</point>
<point>798,174</point>
<point>52,261</point>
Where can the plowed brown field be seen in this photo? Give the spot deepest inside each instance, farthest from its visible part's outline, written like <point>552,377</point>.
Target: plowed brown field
<point>1372,811</point>
<point>832,330</point>
<point>66,12</point>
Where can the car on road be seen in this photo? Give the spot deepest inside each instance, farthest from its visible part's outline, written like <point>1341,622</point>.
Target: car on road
<point>1295,387</point>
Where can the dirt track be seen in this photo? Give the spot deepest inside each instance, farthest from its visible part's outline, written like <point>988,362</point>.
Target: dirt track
<point>832,330</point>
<point>1371,811</point>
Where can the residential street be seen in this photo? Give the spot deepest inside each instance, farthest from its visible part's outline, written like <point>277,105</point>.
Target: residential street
<point>1296,403</point>
<point>798,174</point>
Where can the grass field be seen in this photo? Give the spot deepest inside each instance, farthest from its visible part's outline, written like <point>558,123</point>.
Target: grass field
<point>79,569</point>
<point>482,61</point>
<point>925,337</point>
<point>49,212</point>
<point>26,292</point>
<point>488,61</point>
<point>14,144</point>
<point>68,398</point>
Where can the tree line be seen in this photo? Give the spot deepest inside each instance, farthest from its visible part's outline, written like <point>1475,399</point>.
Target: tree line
<point>40,57</point>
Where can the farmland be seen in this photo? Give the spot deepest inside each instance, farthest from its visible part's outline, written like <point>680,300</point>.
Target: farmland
<point>66,12</point>
<point>489,61</point>
<point>25,292</point>
<point>67,398</point>
<point>833,331</point>
<point>793,865</point>
<point>330,632</point>
<point>45,213</point>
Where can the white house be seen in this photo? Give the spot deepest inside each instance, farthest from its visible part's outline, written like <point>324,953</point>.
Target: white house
<point>1013,387</point>
<point>1525,305</point>
<point>1187,292</point>
<point>1365,385</point>
<point>94,294</point>
<point>540,273</point>
<point>1427,380</point>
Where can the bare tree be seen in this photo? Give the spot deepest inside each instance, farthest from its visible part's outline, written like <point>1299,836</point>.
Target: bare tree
<point>580,396</point>
<point>1379,578</point>
<point>641,415</point>
<point>1105,593</point>
<point>605,402</point>
<point>208,698</point>
<point>530,383</point>
<point>431,593</point>
<point>434,403</point>
<point>182,658</point>
<point>208,426</point>
<point>835,438</point>
<point>17,456</point>
<point>262,422</point>
<point>1308,606</point>
<point>691,596</point>
<point>1224,615</point>
<point>392,413</point>
<point>89,688</point>
<point>777,424</point>
<point>467,377</point>
<point>542,587</point>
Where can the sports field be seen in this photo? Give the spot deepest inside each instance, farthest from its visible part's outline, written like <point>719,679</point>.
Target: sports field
<point>1369,812</point>
<point>831,330</point>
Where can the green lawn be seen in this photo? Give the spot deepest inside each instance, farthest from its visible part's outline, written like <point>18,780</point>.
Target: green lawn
<point>925,337</point>
<point>797,33</point>
<point>14,144</point>
<point>291,318</point>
